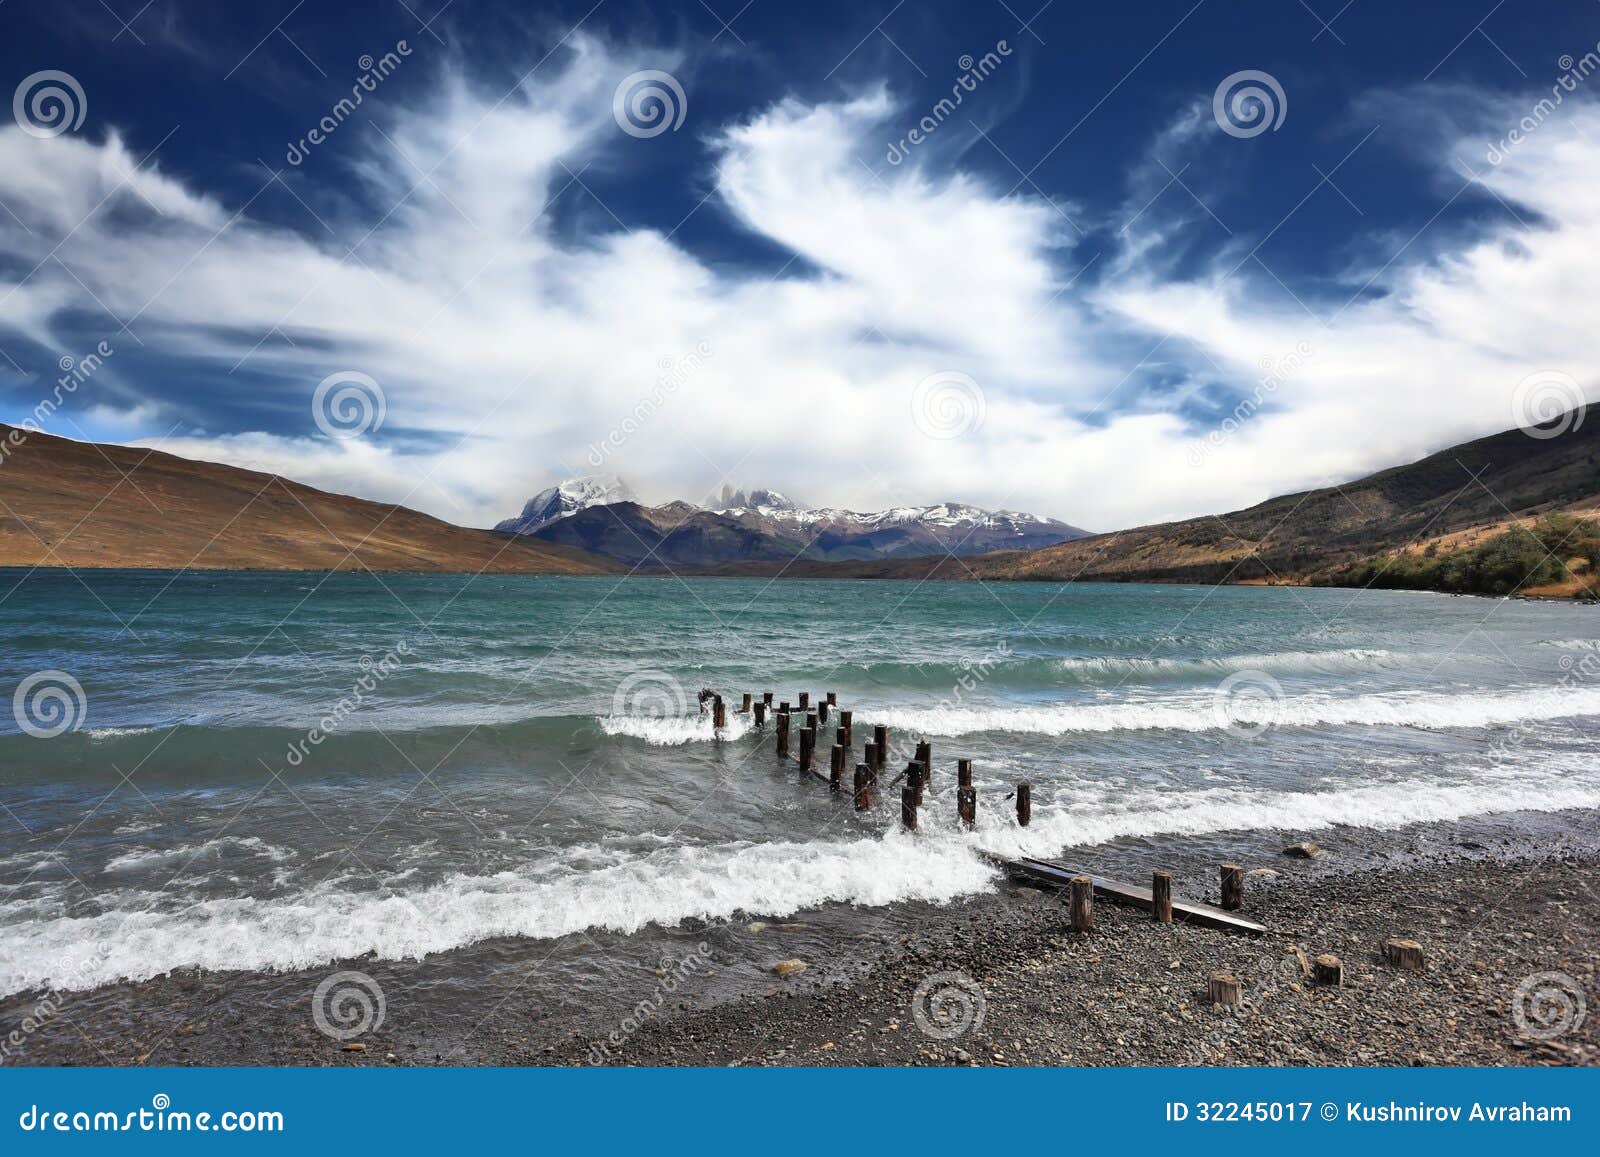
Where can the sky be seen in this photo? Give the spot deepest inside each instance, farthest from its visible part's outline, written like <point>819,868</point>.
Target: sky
<point>1113,264</point>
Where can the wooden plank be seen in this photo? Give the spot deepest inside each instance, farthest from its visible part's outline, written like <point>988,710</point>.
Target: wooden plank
<point>1060,876</point>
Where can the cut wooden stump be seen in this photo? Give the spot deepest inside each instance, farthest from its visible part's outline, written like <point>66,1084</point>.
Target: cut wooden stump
<point>1060,876</point>
<point>1161,897</point>
<point>1327,969</point>
<point>1222,988</point>
<point>1405,954</point>
<point>1024,804</point>
<point>1080,898</point>
<point>1232,887</point>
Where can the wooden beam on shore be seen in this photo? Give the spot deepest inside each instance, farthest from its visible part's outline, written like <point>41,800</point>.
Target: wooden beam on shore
<point>1060,876</point>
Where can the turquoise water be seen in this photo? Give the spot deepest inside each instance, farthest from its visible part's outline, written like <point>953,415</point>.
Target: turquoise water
<point>524,758</point>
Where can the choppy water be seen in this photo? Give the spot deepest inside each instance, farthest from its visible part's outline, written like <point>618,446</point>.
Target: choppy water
<point>529,761</point>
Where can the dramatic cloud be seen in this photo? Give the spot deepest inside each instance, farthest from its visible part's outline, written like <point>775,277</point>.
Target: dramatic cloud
<point>932,338</point>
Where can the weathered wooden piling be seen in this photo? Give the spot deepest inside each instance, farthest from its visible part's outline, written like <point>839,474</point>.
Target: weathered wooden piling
<point>719,713</point>
<point>808,747</point>
<point>841,736</point>
<point>811,720</point>
<point>1081,901</point>
<point>870,754</point>
<point>967,805</point>
<point>766,698</point>
<point>833,699</point>
<point>917,777</point>
<point>908,807</point>
<point>1232,887</point>
<point>1405,954</point>
<point>863,787</point>
<point>805,700</point>
<point>783,707</point>
<point>1161,897</point>
<point>1024,804</point>
<point>744,707</point>
<point>1327,969</point>
<point>1222,988</point>
<point>924,756</point>
<point>761,714</point>
<point>836,758</point>
<point>846,721</point>
<point>783,734</point>
<point>963,773</point>
<point>880,736</point>
<point>822,711</point>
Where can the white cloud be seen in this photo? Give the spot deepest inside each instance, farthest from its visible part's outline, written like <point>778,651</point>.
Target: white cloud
<point>506,346</point>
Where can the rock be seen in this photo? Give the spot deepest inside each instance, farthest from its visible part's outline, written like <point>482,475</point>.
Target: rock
<point>1306,850</point>
<point>355,1047</point>
<point>1262,873</point>
<point>757,926</point>
<point>789,967</point>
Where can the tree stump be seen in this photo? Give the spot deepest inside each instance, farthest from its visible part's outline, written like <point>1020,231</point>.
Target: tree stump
<point>1082,902</point>
<point>1327,969</point>
<point>1232,887</point>
<point>1161,897</point>
<point>1222,988</point>
<point>1405,954</point>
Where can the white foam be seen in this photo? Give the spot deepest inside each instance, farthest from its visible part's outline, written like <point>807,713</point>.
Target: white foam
<point>141,858</point>
<point>674,730</point>
<point>1202,711</point>
<point>1350,660</point>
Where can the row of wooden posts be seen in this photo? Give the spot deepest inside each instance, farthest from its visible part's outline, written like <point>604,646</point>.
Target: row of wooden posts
<point>918,773</point>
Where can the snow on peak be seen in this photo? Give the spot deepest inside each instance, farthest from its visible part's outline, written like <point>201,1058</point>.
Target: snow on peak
<point>565,498</point>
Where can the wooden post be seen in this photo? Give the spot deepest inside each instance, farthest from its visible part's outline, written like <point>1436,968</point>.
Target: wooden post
<point>745,706</point>
<point>766,698</point>
<point>1405,954</point>
<point>1082,900</point>
<point>1327,969</point>
<point>783,734</point>
<point>1222,988</point>
<point>833,699</point>
<point>963,773</point>
<point>1232,887</point>
<point>719,713</point>
<point>967,805</point>
<point>924,756</point>
<point>917,778</point>
<point>871,756</point>
<point>808,747</point>
<point>842,738</point>
<point>805,700</point>
<point>880,736</point>
<point>863,787</point>
<point>822,711</point>
<point>1161,897</point>
<point>908,807</point>
<point>811,720</point>
<point>1024,804</point>
<point>846,721</point>
<point>836,758</point>
<point>783,707</point>
<point>761,714</point>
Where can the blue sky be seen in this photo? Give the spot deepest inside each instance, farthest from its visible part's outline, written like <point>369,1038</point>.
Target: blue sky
<point>1076,291</point>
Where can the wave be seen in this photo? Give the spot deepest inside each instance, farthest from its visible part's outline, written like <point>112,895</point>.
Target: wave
<point>1217,712</point>
<point>671,731</point>
<point>139,859</point>
<point>1350,660</point>
<point>626,892</point>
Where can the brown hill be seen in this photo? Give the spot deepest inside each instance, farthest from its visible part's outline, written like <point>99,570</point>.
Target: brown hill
<point>82,504</point>
<point>1464,494</point>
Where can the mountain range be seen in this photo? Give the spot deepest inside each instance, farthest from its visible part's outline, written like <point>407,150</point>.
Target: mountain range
<point>600,514</point>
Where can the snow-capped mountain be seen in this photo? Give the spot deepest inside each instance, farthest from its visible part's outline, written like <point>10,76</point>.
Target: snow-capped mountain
<point>764,525</point>
<point>566,499</point>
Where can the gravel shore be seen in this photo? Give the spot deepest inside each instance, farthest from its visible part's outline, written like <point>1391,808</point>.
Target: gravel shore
<point>1511,967</point>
